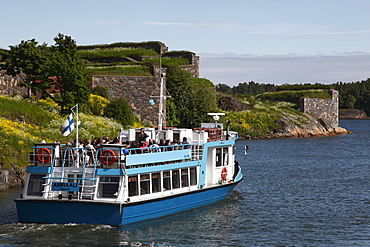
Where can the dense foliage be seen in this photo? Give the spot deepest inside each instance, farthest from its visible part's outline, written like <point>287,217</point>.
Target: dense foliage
<point>193,97</point>
<point>354,95</point>
<point>251,88</point>
<point>119,109</point>
<point>66,74</point>
<point>294,96</point>
<point>28,61</point>
<point>53,71</point>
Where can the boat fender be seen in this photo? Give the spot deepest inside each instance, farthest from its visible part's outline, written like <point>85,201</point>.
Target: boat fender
<point>224,173</point>
<point>43,155</point>
<point>106,154</point>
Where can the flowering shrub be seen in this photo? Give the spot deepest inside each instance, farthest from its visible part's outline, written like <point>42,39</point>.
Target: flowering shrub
<point>16,137</point>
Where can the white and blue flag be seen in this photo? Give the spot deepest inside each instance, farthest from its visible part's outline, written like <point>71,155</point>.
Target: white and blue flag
<point>67,126</point>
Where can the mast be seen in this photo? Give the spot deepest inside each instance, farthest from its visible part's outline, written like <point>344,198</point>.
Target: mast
<point>160,113</point>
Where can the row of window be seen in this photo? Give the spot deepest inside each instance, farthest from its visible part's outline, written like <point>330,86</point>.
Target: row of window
<point>139,184</point>
<point>162,181</point>
<point>149,183</point>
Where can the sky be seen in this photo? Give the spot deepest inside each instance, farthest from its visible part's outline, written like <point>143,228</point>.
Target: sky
<point>265,41</point>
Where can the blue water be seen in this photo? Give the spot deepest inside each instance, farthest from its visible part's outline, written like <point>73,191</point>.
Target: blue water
<point>295,192</point>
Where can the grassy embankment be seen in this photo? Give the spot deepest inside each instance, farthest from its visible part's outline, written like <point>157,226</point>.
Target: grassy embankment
<point>23,123</point>
<point>112,61</point>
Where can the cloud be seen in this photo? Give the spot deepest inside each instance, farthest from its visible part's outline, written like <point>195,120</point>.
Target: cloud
<point>232,69</point>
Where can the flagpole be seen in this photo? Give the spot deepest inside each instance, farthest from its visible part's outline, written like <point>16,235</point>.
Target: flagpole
<point>77,141</point>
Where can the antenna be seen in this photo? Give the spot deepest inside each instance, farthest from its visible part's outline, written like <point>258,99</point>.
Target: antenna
<point>216,117</point>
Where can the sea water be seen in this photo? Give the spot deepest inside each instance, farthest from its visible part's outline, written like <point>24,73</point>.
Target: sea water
<point>295,192</point>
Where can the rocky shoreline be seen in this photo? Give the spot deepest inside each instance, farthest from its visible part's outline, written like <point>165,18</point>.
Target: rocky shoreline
<point>302,126</point>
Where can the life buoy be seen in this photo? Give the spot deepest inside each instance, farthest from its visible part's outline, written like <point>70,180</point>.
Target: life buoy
<point>108,157</point>
<point>43,155</point>
<point>224,173</point>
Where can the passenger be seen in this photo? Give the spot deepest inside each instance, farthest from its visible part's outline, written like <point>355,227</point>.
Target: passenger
<point>116,140</point>
<point>162,144</point>
<point>175,144</point>
<point>106,139</point>
<point>168,148</point>
<point>185,143</point>
<point>154,145</point>
<point>90,151</point>
<point>133,146</point>
<point>87,145</point>
<point>142,136</point>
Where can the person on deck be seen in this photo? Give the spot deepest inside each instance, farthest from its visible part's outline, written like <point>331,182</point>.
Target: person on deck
<point>185,143</point>
<point>142,136</point>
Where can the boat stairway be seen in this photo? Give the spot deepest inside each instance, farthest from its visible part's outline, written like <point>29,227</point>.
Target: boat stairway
<point>88,186</point>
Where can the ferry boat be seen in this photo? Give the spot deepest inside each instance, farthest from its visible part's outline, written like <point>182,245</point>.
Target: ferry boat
<point>116,185</point>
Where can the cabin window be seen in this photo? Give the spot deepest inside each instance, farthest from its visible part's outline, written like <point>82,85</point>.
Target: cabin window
<point>133,186</point>
<point>184,177</point>
<point>166,180</point>
<point>193,176</point>
<point>35,185</point>
<point>218,156</point>
<point>144,184</point>
<point>156,182</point>
<point>175,179</point>
<point>222,156</point>
<point>108,187</point>
<point>225,157</point>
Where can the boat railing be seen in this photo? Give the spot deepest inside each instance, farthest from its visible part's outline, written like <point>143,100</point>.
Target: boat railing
<point>83,180</point>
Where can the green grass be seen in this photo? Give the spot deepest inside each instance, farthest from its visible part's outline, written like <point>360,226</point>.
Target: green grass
<point>111,53</point>
<point>293,96</point>
<point>167,61</point>
<point>123,70</point>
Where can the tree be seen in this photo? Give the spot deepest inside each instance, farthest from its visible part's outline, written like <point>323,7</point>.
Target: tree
<point>95,105</point>
<point>27,60</point>
<point>223,88</point>
<point>193,97</point>
<point>101,91</point>
<point>171,113</point>
<point>119,110</point>
<point>66,73</point>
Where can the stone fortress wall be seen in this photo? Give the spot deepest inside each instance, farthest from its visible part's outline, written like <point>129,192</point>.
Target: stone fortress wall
<point>137,91</point>
<point>326,110</point>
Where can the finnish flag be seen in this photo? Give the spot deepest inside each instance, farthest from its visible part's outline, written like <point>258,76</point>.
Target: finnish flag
<point>67,126</point>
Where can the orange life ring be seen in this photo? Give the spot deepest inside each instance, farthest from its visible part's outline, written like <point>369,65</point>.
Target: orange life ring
<point>224,173</point>
<point>41,157</point>
<point>104,158</point>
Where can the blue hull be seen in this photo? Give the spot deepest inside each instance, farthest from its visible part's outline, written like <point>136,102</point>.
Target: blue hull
<point>90,212</point>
